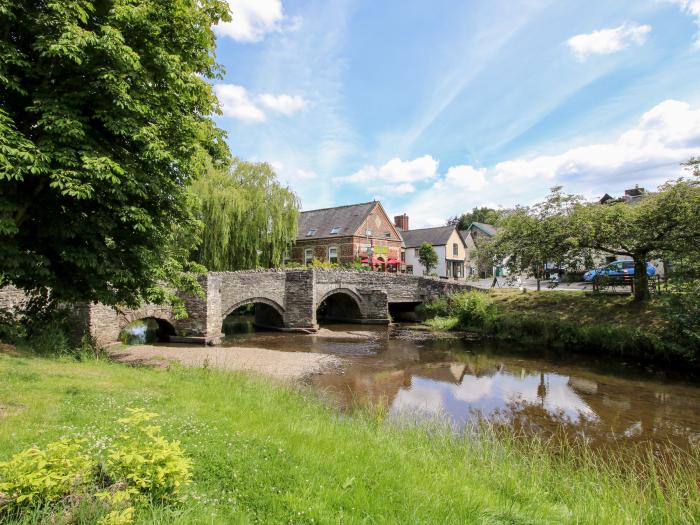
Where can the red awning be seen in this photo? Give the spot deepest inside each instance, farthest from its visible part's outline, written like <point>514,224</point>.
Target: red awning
<point>375,261</point>
<point>393,261</point>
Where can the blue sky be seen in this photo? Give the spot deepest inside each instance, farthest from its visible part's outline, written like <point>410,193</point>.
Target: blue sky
<point>436,107</point>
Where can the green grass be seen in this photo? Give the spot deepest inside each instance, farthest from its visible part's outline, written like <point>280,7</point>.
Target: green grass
<point>585,308</point>
<point>572,322</point>
<point>267,453</point>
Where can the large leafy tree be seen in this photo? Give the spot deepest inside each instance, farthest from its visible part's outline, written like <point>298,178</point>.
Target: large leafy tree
<point>530,238</point>
<point>662,224</point>
<point>249,218</point>
<point>483,214</point>
<point>104,121</point>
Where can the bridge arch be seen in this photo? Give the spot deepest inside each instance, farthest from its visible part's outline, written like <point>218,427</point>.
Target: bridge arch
<point>341,304</point>
<point>267,313</point>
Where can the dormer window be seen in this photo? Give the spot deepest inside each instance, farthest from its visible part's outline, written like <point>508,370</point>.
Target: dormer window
<point>311,232</point>
<point>335,230</point>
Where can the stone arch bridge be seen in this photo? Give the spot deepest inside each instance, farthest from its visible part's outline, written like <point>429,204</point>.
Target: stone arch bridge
<point>291,300</point>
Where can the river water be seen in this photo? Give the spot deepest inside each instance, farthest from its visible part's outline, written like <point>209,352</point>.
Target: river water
<point>408,372</point>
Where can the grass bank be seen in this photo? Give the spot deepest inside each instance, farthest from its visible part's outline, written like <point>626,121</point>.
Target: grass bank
<point>571,321</point>
<point>267,453</point>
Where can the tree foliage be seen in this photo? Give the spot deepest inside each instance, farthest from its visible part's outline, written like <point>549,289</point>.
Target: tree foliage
<point>483,214</point>
<point>565,232</point>
<point>104,122</point>
<point>427,257</point>
<point>664,224</point>
<point>249,218</point>
<point>530,238</point>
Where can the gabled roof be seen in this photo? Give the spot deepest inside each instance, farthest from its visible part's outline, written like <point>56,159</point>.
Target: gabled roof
<point>488,229</point>
<point>347,218</point>
<point>436,236</point>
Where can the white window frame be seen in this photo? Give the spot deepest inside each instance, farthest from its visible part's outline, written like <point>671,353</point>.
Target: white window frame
<point>455,249</point>
<point>307,259</point>
<point>330,259</point>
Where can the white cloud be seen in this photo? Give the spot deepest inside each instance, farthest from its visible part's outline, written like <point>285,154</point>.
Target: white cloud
<point>237,103</point>
<point>421,169</point>
<point>253,19</point>
<point>647,154</point>
<point>305,174</point>
<point>285,104</point>
<point>608,41</point>
<point>692,8</point>
<point>396,176</point>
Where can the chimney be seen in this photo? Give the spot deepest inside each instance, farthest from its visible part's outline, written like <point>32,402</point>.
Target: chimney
<point>401,222</point>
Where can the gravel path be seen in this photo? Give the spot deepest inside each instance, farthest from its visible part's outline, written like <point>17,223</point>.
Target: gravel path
<point>288,366</point>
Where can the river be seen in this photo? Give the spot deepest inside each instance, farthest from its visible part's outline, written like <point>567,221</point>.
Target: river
<point>409,372</point>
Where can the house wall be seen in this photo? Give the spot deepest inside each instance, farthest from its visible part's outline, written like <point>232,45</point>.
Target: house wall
<point>352,247</point>
<point>419,269</point>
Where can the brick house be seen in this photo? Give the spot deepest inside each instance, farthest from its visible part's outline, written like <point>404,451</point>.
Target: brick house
<point>343,234</point>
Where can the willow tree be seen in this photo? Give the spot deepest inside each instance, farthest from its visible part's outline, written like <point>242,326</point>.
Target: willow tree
<point>249,218</point>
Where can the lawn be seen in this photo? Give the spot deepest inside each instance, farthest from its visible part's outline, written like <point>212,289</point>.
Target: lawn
<point>584,308</point>
<point>264,452</point>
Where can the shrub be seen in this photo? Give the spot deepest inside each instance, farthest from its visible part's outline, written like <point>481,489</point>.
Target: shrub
<point>141,466</point>
<point>35,477</point>
<point>472,309</point>
<point>148,463</point>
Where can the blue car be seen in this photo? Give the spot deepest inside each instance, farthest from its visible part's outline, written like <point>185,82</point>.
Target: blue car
<point>617,270</point>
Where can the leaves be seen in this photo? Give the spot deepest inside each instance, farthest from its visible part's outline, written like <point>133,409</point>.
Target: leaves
<point>105,121</point>
<point>249,218</point>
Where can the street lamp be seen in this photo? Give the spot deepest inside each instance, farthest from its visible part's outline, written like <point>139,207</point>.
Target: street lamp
<point>370,251</point>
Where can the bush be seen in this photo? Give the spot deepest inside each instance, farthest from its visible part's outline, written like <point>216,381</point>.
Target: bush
<point>34,477</point>
<point>473,309</point>
<point>140,467</point>
<point>149,464</point>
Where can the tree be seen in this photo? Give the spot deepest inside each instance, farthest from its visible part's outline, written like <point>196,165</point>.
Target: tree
<point>249,218</point>
<point>427,257</point>
<point>660,224</point>
<point>104,122</point>
<point>531,238</point>
<point>483,214</point>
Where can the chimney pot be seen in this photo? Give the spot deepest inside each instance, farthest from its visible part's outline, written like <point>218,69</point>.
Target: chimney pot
<point>401,222</point>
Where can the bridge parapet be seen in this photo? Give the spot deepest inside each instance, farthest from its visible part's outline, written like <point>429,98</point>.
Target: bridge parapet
<point>294,294</point>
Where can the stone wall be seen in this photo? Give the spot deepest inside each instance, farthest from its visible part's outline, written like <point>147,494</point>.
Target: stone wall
<point>294,295</point>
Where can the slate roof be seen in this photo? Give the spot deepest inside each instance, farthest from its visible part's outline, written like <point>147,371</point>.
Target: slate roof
<point>488,229</point>
<point>348,218</point>
<point>435,236</point>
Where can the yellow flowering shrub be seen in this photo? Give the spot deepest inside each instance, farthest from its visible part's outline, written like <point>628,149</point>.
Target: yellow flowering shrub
<point>36,477</point>
<point>147,462</point>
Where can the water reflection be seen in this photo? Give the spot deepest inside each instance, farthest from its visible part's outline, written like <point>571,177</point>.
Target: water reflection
<point>465,382</point>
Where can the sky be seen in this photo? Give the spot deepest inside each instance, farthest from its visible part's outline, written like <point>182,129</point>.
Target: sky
<point>436,107</point>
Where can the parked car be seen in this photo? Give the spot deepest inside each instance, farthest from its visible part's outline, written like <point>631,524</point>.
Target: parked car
<point>617,270</point>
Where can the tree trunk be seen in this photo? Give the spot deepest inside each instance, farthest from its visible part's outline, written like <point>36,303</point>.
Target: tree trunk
<point>641,280</point>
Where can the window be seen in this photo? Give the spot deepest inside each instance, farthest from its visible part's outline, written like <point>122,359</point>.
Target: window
<point>628,264</point>
<point>409,268</point>
<point>335,230</point>
<point>387,235</point>
<point>311,232</point>
<point>368,233</point>
<point>403,256</point>
<point>308,255</point>
<point>455,249</point>
<point>333,254</point>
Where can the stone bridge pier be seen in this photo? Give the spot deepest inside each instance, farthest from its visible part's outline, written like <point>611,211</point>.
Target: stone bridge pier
<point>294,300</point>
